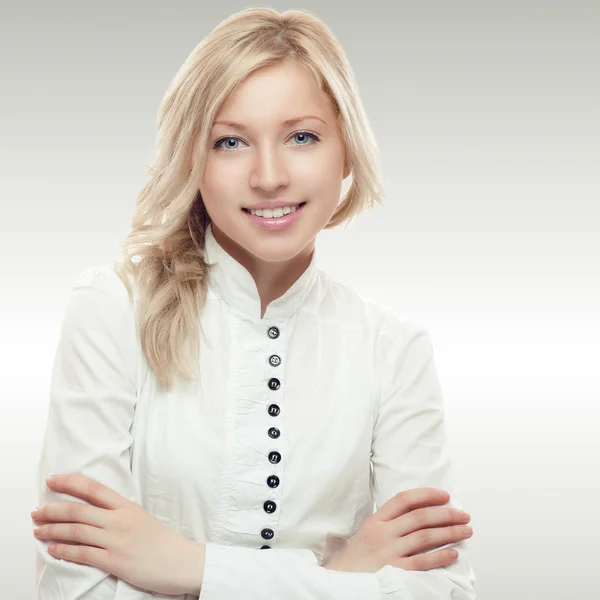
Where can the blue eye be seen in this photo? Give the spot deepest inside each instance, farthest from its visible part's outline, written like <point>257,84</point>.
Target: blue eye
<point>310,136</point>
<point>218,144</point>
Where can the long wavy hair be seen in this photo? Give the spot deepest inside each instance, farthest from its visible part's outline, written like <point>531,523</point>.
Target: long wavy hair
<point>163,254</point>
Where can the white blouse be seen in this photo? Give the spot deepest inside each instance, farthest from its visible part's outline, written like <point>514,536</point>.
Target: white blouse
<point>301,421</point>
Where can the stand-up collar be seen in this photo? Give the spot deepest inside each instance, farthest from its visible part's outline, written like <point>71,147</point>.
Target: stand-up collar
<point>233,283</point>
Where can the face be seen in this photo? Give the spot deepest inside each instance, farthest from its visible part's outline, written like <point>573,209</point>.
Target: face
<point>264,162</point>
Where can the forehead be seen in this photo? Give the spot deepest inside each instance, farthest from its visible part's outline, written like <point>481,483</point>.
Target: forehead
<point>276,93</point>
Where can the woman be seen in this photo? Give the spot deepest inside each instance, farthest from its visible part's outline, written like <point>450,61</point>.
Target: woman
<point>215,394</point>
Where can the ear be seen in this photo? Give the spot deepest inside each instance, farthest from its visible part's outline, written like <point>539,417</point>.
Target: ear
<point>347,169</point>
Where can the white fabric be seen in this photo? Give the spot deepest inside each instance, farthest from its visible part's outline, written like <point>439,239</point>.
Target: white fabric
<point>361,418</point>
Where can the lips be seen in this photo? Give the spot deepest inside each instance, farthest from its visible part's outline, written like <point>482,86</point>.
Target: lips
<point>279,222</point>
<point>272,208</point>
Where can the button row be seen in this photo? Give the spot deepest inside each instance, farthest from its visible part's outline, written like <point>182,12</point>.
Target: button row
<point>273,432</point>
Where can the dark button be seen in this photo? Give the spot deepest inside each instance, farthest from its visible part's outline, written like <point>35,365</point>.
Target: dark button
<point>274,360</point>
<point>273,481</point>
<point>264,547</point>
<point>273,333</point>
<point>274,432</point>
<point>274,457</point>
<point>269,506</point>
<point>274,383</point>
<point>267,533</point>
<point>274,410</point>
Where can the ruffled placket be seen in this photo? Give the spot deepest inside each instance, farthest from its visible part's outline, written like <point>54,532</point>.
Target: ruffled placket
<point>253,478</point>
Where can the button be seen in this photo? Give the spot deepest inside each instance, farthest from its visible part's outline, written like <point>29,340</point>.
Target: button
<point>273,333</point>
<point>274,457</point>
<point>267,533</point>
<point>274,432</point>
<point>274,410</point>
<point>274,360</point>
<point>273,481</point>
<point>274,383</point>
<point>264,547</point>
<point>269,506</point>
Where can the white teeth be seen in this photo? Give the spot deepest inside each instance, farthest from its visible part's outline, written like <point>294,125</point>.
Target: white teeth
<point>273,213</point>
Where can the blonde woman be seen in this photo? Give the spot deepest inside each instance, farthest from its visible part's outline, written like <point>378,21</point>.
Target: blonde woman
<point>224,415</point>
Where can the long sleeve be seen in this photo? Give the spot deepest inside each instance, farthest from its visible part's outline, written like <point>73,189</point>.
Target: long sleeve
<point>293,574</point>
<point>409,451</point>
<point>92,402</point>
<point>89,431</point>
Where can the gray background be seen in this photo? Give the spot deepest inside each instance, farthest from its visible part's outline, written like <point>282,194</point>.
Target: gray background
<point>487,118</point>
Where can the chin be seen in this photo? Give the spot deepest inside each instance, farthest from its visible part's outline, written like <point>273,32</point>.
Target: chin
<point>277,247</point>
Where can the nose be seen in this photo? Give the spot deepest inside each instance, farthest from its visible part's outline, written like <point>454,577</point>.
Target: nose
<point>269,171</point>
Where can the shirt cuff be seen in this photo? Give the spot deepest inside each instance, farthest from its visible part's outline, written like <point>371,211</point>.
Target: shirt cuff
<point>354,586</point>
<point>291,573</point>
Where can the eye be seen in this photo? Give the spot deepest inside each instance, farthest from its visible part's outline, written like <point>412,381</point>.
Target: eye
<point>305,135</point>
<point>310,136</point>
<point>225,139</point>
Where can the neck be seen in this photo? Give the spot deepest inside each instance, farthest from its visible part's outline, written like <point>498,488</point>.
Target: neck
<point>272,279</point>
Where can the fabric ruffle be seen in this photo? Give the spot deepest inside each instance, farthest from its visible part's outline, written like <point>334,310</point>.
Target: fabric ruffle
<point>244,488</point>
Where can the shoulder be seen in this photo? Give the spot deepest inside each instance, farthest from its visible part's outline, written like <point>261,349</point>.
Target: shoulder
<point>97,297</point>
<point>103,280</point>
<point>342,304</point>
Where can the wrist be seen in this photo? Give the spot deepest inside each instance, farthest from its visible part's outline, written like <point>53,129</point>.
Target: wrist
<point>193,572</point>
<point>334,563</point>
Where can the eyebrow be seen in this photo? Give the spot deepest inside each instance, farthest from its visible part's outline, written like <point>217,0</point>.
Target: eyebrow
<point>287,123</point>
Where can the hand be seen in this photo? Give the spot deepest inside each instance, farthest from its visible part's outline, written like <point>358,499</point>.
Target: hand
<point>407,524</point>
<point>118,536</point>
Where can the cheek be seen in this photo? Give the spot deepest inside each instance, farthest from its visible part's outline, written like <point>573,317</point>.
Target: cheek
<point>322,181</point>
<point>218,186</point>
<point>321,169</point>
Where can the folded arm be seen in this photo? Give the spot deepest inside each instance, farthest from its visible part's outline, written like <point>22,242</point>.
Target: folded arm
<point>90,414</point>
<point>92,404</point>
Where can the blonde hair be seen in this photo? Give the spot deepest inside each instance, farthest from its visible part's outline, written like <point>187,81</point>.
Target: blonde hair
<point>164,251</point>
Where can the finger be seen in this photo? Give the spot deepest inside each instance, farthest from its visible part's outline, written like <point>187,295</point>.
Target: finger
<point>430,516</point>
<point>408,500</point>
<point>426,539</point>
<point>84,555</point>
<point>88,489</point>
<point>72,532</point>
<point>430,560</point>
<point>72,512</point>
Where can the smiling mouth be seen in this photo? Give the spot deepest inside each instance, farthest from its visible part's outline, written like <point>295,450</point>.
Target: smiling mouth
<point>274,213</point>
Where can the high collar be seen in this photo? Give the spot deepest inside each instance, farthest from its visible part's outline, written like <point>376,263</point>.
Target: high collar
<point>233,284</point>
